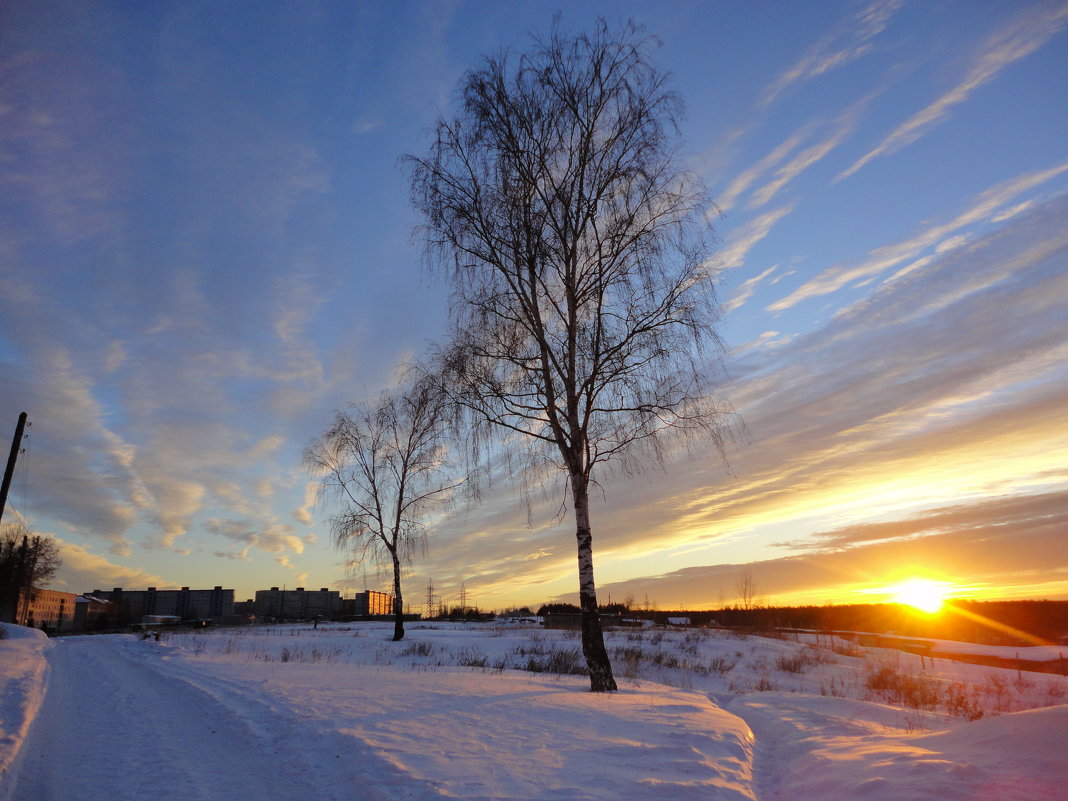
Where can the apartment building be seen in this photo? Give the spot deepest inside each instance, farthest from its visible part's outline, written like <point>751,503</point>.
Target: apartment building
<point>370,603</point>
<point>297,604</point>
<point>185,603</point>
<point>49,609</point>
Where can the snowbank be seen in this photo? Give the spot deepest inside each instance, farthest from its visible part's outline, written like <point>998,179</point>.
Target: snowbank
<point>23,669</point>
<point>813,749</point>
<point>462,734</point>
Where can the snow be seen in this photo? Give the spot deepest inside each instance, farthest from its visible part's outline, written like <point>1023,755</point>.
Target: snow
<point>456,712</point>
<point>22,681</point>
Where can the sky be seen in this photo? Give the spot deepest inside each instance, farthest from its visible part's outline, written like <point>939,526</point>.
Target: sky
<point>207,246</point>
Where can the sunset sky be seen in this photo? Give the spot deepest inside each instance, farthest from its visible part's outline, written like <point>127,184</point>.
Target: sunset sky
<point>207,246</point>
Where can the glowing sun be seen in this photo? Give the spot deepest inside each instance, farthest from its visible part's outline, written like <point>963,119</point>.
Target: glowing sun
<point>923,594</point>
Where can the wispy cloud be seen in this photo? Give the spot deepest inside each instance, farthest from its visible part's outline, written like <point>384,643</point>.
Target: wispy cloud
<point>767,338</point>
<point>1032,30</point>
<point>267,535</point>
<point>991,546</point>
<point>82,469</point>
<point>741,240</point>
<point>303,514</point>
<point>1048,511</point>
<point>840,131</point>
<point>746,289</point>
<point>982,209</point>
<point>846,42</point>
<point>748,177</point>
<point>785,162</point>
<point>891,406</point>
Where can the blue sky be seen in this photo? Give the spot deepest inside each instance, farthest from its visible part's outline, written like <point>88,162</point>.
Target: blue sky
<point>207,246</point>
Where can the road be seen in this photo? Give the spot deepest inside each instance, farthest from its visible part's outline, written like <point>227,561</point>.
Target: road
<point>119,723</point>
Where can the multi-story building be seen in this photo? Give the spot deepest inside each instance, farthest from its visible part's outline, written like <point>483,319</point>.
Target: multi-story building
<point>245,609</point>
<point>298,604</point>
<point>185,603</point>
<point>50,609</point>
<point>370,603</point>
<point>91,614</point>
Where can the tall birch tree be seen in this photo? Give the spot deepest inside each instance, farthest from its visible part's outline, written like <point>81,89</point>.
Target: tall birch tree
<point>578,252</point>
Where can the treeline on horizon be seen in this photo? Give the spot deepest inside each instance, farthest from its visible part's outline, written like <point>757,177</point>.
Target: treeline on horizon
<point>987,622</point>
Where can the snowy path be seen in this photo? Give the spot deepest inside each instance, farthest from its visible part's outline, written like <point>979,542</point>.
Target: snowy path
<point>112,718</point>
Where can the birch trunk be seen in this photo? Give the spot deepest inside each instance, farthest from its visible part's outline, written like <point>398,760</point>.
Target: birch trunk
<point>398,601</point>
<point>597,662</point>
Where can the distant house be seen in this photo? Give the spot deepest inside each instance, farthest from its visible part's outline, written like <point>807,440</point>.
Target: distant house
<point>678,621</point>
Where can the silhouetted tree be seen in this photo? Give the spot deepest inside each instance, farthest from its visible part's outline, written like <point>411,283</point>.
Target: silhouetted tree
<point>578,250</point>
<point>746,587</point>
<point>387,465</point>
<point>26,561</point>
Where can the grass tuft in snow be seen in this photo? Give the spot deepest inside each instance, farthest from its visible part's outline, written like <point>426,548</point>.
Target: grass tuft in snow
<point>561,661</point>
<point>905,689</point>
<point>418,648</point>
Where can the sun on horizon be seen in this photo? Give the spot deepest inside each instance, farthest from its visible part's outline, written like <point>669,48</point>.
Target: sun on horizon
<point>925,595</point>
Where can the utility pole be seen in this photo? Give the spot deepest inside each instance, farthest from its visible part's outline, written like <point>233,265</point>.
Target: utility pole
<point>10,471</point>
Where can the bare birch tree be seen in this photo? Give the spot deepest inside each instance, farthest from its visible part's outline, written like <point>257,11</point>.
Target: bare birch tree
<point>746,587</point>
<point>578,252</point>
<point>386,464</point>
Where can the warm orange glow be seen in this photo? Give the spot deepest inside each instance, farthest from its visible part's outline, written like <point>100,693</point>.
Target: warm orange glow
<point>923,594</point>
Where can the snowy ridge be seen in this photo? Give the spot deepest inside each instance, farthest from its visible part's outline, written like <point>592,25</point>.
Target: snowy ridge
<point>23,678</point>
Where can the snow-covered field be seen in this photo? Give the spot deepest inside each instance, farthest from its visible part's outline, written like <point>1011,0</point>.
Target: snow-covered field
<point>499,712</point>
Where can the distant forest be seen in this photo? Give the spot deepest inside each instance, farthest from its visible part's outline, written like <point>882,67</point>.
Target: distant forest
<point>988,622</point>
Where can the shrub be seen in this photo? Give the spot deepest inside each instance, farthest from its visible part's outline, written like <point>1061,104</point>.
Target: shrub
<point>629,653</point>
<point>630,659</point>
<point>471,657</point>
<point>996,688</point>
<point>912,691</point>
<point>832,688</point>
<point>721,665</point>
<point>418,649</point>
<point>534,649</point>
<point>846,647</point>
<point>1055,693</point>
<point>958,701</point>
<point>764,684</point>
<point>791,664</point>
<point>664,658</point>
<point>563,662</point>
